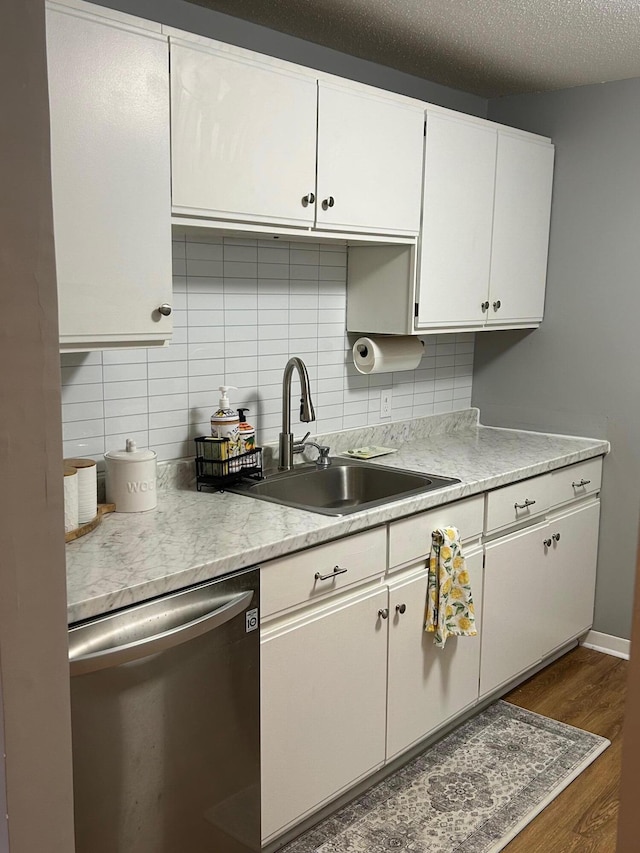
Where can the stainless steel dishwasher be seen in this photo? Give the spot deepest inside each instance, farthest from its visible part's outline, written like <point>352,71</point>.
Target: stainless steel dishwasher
<point>166,723</point>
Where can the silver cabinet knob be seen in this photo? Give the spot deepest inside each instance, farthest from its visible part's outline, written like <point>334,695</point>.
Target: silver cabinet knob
<point>485,306</point>
<point>555,537</point>
<point>165,309</point>
<point>384,613</point>
<point>496,304</point>
<point>328,202</point>
<point>308,199</point>
<point>401,608</point>
<point>547,543</point>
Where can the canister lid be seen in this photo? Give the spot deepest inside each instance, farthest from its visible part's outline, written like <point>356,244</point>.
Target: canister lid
<point>131,453</point>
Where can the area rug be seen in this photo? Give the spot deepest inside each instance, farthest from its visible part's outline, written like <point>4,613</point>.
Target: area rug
<point>470,792</point>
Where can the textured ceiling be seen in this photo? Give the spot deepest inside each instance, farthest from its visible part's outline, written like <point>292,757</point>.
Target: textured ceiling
<point>488,47</point>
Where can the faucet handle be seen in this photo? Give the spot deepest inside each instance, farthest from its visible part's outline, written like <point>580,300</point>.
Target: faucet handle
<point>298,446</point>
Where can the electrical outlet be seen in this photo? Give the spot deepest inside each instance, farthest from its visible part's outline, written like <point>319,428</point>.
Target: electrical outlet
<point>385,403</point>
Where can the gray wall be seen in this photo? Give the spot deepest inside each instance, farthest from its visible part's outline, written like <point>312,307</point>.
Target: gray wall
<point>578,373</point>
<point>206,22</point>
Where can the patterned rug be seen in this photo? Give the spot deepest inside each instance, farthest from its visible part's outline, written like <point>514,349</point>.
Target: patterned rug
<point>470,792</point>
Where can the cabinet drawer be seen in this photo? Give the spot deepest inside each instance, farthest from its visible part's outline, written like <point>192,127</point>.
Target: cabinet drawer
<point>309,575</point>
<point>576,481</point>
<point>518,502</point>
<point>410,538</point>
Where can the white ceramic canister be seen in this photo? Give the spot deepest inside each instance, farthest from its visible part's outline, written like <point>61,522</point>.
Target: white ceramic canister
<point>130,478</point>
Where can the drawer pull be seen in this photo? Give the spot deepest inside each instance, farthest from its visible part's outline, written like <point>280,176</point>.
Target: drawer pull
<point>401,608</point>
<point>336,571</point>
<point>580,484</point>
<point>526,503</point>
<point>384,613</point>
<point>555,537</point>
<point>547,543</point>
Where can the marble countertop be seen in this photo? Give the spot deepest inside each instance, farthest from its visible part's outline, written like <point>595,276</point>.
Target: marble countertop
<point>193,536</point>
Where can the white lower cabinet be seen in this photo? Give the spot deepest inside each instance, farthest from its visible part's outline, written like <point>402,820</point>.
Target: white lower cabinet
<point>323,706</point>
<point>426,685</point>
<point>350,679</point>
<point>539,589</point>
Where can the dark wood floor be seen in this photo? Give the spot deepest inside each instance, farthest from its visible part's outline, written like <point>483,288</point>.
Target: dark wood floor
<point>585,689</point>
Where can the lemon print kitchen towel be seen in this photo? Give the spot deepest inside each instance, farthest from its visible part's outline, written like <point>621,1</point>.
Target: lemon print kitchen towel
<point>449,608</point>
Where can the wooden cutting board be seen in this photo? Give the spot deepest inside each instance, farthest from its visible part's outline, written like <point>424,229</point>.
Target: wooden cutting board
<point>103,509</point>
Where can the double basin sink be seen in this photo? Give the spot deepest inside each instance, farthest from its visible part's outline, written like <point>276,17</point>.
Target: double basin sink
<point>344,487</point>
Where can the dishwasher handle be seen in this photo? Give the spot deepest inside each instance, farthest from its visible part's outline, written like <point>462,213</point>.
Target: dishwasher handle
<point>138,649</point>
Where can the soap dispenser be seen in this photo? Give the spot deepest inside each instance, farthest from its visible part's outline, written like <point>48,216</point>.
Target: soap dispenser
<point>247,440</point>
<point>225,422</point>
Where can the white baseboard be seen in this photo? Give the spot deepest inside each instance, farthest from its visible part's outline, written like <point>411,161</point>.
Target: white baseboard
<point>608,644</point>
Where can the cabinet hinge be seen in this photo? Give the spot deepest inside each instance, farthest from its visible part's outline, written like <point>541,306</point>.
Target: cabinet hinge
<point>415,309</point>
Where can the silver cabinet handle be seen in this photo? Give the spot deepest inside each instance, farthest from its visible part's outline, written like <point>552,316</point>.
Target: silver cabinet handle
<point>308,199</point>
<point>401,608</point>
<point>164,309</point>
<point>336,571</point>
<point>547,543</point>
<point>80,663</point>
<point>328,202</point>
<point>580,484</point>
<point>555,537</point>
<point>384,613</point>
<point>485,306</point>
<point>496,304</point>
<point>526,503</point>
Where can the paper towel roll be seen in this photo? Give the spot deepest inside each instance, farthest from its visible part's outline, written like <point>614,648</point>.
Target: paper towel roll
<point>386,354</point>
<point>87,488</point>
<point>70,499</point>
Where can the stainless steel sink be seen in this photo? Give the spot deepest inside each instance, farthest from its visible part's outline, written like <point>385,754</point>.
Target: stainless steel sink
<point>346,486</point>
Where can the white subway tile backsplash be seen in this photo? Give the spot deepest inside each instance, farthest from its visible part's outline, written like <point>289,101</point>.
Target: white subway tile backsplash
<point>195,267</point>
<point>82,411</point>
<point>124,372</point>
<point>167,385</point>
<point>166,369</point>
<point>199,301</point>
<point>242,307</point>
<point>81,374</point>
<point>168,402</point>
<point>126,406</point>
<point>129,423</point>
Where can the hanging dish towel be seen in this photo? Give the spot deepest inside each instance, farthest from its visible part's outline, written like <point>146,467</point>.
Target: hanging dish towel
<point>449,610</point>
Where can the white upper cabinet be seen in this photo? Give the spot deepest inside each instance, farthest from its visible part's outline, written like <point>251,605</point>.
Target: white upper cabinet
<point>110,163</point>
<point>455,250</point>
<point>369,162</point>
<point>522,213</point>
<point>243,139</point>
<point>481,261</point>
<point>485,229</point>
<point>245,134</point>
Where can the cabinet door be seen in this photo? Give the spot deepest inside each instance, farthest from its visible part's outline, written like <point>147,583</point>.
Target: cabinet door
<point>524,176</point>
<point>455,251</point>
<point>572,561</point>
<point>517,620</point>
<point>323,707</point>
<point>109,104</point>
<point>243,138</point>
<point>369,162</point>
<point>427,685</point>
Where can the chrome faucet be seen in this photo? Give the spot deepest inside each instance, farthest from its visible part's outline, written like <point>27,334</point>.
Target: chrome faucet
<point>286,444</point>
